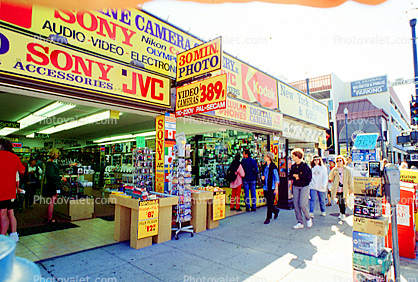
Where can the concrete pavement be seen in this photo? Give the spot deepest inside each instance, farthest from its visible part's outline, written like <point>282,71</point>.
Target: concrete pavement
<point>241,249</point>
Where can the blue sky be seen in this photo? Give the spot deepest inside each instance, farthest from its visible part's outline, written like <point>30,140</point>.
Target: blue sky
<point>292,42</point>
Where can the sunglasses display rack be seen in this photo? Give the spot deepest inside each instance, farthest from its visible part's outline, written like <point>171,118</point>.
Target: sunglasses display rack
<point>181,177</point>
<point>143,174</point>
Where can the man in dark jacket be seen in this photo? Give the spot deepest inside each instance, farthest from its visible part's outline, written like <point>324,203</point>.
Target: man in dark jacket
<point>249,181</point>
<point>301,175</point>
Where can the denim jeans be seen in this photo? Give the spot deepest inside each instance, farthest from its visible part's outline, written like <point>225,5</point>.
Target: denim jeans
<point>312,201</point>
<point>247,186</point>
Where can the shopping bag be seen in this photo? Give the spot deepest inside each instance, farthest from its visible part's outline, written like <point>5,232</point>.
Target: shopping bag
<point>350,201</point>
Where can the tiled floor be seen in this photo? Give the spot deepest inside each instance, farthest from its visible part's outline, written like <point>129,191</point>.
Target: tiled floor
<point>91,233</point>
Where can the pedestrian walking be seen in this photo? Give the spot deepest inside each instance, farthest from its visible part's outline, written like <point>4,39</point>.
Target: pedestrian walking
<point>9,165</point>
<point>318,185</point>
<point>249,181</point>
<point>271,182</point>
<point>53,182</point>
<point>343,184</point>
<point>329,188</point>
<point>235,173</point>
<point>301,175</point>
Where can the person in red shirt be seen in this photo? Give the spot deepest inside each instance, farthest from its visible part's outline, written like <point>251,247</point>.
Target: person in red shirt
<point>9,165</point>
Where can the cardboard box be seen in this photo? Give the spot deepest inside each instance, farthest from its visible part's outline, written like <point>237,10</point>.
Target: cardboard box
<point>374,265</point>
<point>370,207</point>
<point>378,226</point>
<point>368,244</point>
<point>368,186</point>
<point>359,276</point>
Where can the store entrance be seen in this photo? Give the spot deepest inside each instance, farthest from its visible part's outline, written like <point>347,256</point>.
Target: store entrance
<point>99,139</point>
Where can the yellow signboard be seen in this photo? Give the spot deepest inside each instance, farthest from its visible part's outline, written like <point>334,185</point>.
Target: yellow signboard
<point>218,205</point>
<point>202,96</point>
<point>322,143</point>
<point>120,34</point>
<point>274,148</point>
<point>24,56</point>
<point>199,60</point>
<point>148,218</point>
<point>409,175</point>
<point>159,154</point>
<point>249,114</point>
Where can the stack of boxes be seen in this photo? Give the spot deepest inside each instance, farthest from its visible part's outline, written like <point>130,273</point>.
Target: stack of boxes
<point>371,260</point>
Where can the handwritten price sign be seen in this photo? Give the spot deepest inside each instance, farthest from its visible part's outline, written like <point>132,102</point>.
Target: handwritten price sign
<point>218,205</point>
<point>148,218</point>
<point>202,96</point>
<point>366,141</point>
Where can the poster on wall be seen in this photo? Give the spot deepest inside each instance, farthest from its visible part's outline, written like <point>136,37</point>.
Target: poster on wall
<point>361,169</point>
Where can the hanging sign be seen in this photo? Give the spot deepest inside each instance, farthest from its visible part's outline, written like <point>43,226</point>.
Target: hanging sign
<point>366,141</point>
<point>274,148</point>
<point>218,205</point>
<point>199,60</point>
<point>148,218</point>
<point>202,96</point>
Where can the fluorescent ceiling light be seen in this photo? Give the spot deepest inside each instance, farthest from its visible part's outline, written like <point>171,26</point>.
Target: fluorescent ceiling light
<point>7,130</point>
<point>30,135</point>
<point>44,113</point>
<point>114,142</point>
<point>146,133</point>
<point>77,123</point>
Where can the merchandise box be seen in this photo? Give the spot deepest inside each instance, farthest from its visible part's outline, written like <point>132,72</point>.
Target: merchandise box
<point>370,207</point>
<point>368,186</point>
<point>368,244</point>
<point>378,226</point>
<point>374,265</point>
<point>359,276</point>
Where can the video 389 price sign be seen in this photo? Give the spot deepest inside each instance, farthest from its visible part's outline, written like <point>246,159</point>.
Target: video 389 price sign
<point>202,96</point>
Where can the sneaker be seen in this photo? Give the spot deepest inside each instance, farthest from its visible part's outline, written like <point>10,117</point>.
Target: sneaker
<point>298,226</point>
<point>339,217</point>
<point>276,214</point>
<point>342,217</point>
<point>309,223</point>
<point>14,236</point>
<point>312,215</point>
<point>267,221</point>
<point>232,209</point>
<point>323,214</point>
<point>253,209</point>
<point>247,209</point>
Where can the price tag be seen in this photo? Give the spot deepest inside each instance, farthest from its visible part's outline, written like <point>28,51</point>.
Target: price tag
<point>202,96</point>
<point>148,218</point>
<point>366,141</point>
<point>218,205</point>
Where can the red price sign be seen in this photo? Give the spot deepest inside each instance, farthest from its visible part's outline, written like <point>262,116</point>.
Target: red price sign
<point>147,228</point>
<point>202,96</point>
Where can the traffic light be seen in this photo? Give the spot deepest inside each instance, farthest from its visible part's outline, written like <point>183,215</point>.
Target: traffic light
<point>414,112</point>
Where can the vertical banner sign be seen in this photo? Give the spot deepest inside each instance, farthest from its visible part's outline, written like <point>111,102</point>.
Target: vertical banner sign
<point>274,148</point>
<point>148,218</point>
<point>170,141</point>
<point>218,205</point>
<point>159,154</point>
<point>202,96</point>
<point>199,60</point>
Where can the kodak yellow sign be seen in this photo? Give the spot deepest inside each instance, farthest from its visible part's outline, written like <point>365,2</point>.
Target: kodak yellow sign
<point>38,60</point>
<point>199,60</point>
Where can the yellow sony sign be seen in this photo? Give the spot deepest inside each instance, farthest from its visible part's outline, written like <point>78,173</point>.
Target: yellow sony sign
<point>122,34</point>
<point>199,60</point>
<point>24,56</point>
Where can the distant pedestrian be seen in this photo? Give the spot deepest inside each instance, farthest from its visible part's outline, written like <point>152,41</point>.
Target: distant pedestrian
<point>301,175</point>
<point>343,184</point>
<point>236,169</point>
<point>53,182</point>
<point>249,181</point>
<point>318,185</point>
<point>329,188</point>
<point>404,165</point>
<point>350,162</point>
<point>271,182</point>
<point>33,182</point>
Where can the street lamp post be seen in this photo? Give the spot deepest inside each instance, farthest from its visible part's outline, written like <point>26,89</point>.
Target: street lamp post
<point>346,130</point>
<point>413,15</point>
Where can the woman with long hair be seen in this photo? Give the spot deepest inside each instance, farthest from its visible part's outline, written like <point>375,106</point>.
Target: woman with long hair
<point>343,184</point>
<point>318,185</point>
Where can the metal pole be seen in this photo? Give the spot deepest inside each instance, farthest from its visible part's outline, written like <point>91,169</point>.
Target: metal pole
<point>413,23</point>
<point>307,86</point>
<point>346,133</point>
<point>395,246</point>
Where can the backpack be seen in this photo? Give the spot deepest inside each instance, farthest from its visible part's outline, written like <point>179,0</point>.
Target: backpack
<point>230,173</point>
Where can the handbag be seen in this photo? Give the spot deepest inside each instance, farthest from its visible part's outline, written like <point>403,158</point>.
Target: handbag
<point>350,202</point>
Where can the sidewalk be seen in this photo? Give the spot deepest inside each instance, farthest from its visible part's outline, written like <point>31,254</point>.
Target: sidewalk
<point>241,249</point>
